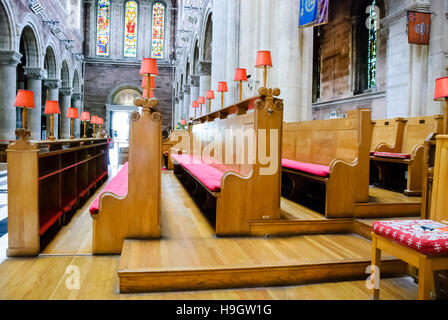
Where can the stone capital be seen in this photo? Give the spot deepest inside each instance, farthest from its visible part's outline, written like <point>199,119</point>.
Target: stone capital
<point>9,58</point>
<point>204,68</point>
<point>35,73</point>
<point>65,91</point>
<point>194,80</point>
<point>186,88</point>
<point>76,95</point>
<point>52,83</point>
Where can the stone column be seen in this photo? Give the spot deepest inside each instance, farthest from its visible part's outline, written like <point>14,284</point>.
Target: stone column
<point>76,103</point>
<point>176,111</point>
<point>8,65</point>
<point>186,102</point>
<point>34,78</point>
<point>180,107</point>
<point>194,94</point>
<point>204,77</point>
<point>232,54</point>
<point>65,103</point>
<point>53,86</point>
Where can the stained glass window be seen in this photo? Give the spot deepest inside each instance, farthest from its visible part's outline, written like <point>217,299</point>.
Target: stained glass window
<point>158,23</point>
<point>373,37</point>
<point>130,36</point>
<point>102,28</point>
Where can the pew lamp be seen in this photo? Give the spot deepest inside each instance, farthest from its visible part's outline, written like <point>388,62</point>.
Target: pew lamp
<point>85,116</point>
<point>201,101</point>
<point>152,82</point>
<point>52,108</point>
<point>210,95</point>
<point>195,106</point>
<point>25,100</point>
<point>149,70</point>
<point>264,61</point>
<point>441,94</point>
<point>145,95</point>
<point>240,76</point>
<point>72,113</point>
<point>222,87</point>
<point>93,121</point>
<point>100,122</point>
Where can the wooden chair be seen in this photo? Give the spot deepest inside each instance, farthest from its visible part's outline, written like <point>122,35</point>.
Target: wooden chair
<point>333,153</point>
<point>136,214</point>
<point>235,192</point>
<point>404,150</point>
<point>405,249</point>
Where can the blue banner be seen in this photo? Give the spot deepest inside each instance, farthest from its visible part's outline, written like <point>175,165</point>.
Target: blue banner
<point>313,12</point>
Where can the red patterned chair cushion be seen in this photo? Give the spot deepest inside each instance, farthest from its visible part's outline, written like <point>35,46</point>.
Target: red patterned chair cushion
<point>117,185</point>
<point>425,236</point>
<point>316,169</point>
<point>208,175</point>
<point>391,155</point>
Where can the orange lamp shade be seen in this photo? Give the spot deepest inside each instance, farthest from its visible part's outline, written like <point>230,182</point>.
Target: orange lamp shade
<point>72,113</point>
<point>93,119</point>
<point>263,59</point>
<point>25,99</point>
<point>51,107</point>
<point>152,85</point>
<point>145,95</point>
<point>222,86</point>
<point>441,91</point>
<point>210,95</point>
<point>195,104</point>
<point>183,122</point>
<point>201,100</point>
<point>149,66</point>
<point>240,74</point>
<point>85,116</point>
<point>99,120</point>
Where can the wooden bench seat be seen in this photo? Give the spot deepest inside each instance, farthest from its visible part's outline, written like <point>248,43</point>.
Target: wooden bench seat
<point>326,162</point>
<point>230,189</point>
<point>397,152</point>
<point>118,185</point>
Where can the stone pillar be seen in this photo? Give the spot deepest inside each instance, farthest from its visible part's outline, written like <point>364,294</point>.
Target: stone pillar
<point>204,77</point>
<point>194,94</point>
<point>34,78</point>
<point>186,102</point>
<point>65,103</point>
<point>232,54</point>
<point>176,111</point>
<point>180,107</point>
<point>8,65</point>
<point>53,86</point>
<point>76,103</point>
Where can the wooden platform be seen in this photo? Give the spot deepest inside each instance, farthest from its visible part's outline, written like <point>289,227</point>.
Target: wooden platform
<point>190,257</point>
<point>385,204</point>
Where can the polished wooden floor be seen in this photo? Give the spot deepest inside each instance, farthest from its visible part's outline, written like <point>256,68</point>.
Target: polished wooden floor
<point>45,277</point>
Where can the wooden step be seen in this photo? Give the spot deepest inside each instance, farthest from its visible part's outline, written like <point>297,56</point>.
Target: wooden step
<point>215,263</point>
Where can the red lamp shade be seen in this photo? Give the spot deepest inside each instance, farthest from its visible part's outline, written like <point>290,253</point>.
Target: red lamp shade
<point>72,113</point>
<point>263,59</point>
<point>85,116</point>
<point>183,122</point>
<point>210,95</point>
<point>195,104</point>
<point>441,91</point>
<point>25,99</point>
<point>149,66</point>
<point>99,120</point>
<point>201,100</point>
<point>94,120</point>
<point>145,82</point>
<point>240,74</point>
<point>145,95</point>
<point>51,107</point>
<point>222,86</point>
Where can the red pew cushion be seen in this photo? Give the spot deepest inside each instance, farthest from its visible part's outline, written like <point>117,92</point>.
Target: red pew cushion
<point>425,236</point>
<point>117,185</point>
<point>391,155</point>
<point>208,175</point>
<point>47,218</point>
<point>316,169</point>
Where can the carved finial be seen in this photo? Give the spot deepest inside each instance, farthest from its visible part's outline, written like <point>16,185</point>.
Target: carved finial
<point>23,143</point>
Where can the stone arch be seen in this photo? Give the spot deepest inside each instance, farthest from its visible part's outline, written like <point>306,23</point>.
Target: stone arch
<point>195,56</point>
<point>206,46</point>
<point>6,25</point>
<point>50,64</point>
<point>65,74</point>
<point>29,47</point>
<point>76,84</point>
<point>119,88</point>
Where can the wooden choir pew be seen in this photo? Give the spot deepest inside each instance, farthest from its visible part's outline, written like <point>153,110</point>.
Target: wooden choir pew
<point>133,211</point>
<point>397,148</point>
<point>329,161</point>
<point>170,142</point>
<point>234,190</point>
